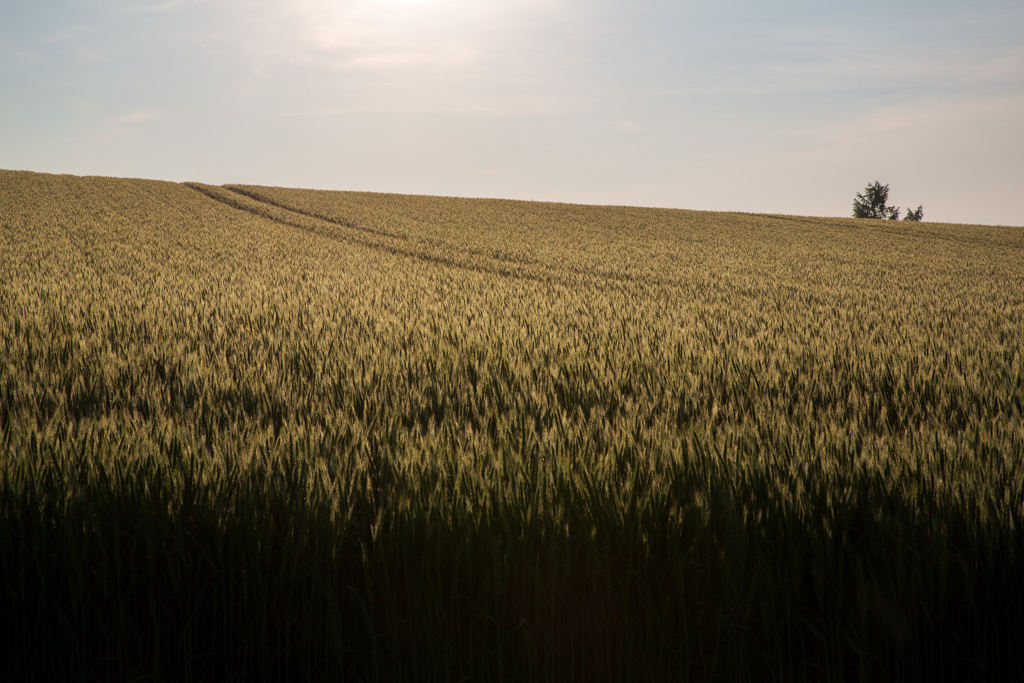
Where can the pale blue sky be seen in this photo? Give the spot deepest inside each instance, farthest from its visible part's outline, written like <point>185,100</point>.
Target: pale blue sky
<point>788,106</point>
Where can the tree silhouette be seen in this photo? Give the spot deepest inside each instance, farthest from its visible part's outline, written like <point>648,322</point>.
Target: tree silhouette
<point>871,204</point>
<point>917,215</point>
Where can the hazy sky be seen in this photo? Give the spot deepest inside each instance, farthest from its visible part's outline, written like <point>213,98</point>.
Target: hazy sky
<point>784,106</point>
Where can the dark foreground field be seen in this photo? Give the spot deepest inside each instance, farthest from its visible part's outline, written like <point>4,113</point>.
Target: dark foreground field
<point>264,434</point>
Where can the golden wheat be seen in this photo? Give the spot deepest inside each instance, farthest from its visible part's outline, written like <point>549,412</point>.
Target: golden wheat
<point>251,432</point>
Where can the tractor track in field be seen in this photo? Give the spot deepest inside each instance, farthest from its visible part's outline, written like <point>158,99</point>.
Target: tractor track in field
<point>256,197</point>
<point>264,209</point>
<point>307,221</point>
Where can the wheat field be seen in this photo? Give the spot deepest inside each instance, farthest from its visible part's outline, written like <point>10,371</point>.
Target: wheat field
<point>253,433</point>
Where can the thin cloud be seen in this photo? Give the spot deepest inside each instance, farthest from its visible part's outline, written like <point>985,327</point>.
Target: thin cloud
<point>939,129</point>
<point>491,107</point>
<point>156,8</point>
<point>893,68</point>
<point>402,59</point>
<point>371,35</point>
<point>961,48</point>
<point>139,116</point>
<point>931,114</point>
<point>93,55</point>
<point>65,34</point>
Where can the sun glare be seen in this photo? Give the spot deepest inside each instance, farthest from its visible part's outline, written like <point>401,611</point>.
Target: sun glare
<point>391,35</point>
<point>386,34</point>
<point>401,3</point>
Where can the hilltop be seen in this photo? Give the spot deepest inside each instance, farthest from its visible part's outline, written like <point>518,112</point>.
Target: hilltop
<point>260,433</point>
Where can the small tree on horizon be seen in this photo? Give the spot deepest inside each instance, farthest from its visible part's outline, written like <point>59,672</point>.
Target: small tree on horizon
<point>917,215</point>
<point>871,203</point>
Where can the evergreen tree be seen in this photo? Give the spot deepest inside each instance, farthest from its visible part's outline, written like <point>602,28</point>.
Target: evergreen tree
<point>871,204</point>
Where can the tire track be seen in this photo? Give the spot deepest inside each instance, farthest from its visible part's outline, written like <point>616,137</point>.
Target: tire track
<point>426,241</point>
<point>255,196</point>
<point>278,212</point>
<point>262,209</point>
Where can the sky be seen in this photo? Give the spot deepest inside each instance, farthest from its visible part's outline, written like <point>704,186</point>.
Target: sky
<point>790,106</point>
